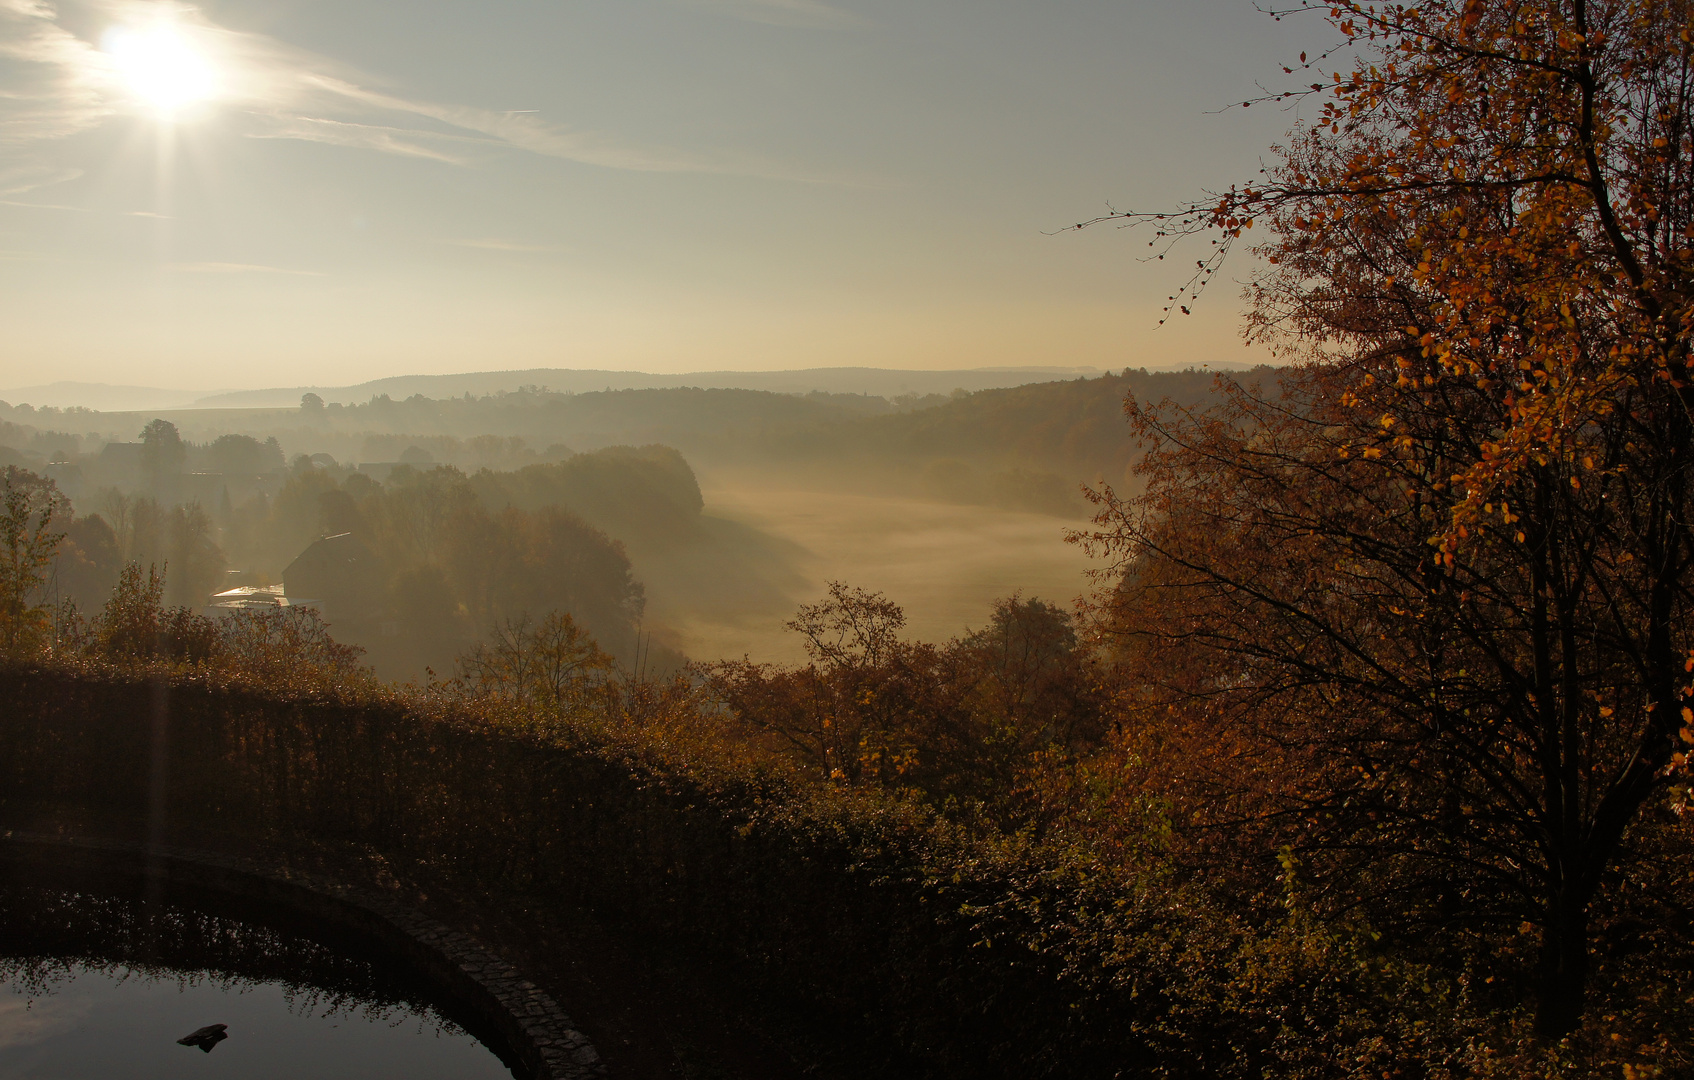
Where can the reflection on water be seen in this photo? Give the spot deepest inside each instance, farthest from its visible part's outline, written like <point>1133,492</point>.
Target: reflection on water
<point>85,1021</point>
<point>99,987</point>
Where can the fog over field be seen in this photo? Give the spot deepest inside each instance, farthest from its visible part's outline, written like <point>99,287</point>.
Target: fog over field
<point>681,524</point>
<point>944,563</point>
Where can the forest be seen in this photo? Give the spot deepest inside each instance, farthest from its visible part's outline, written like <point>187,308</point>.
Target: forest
<point>1019,447</point>
<point>1367,756</point>
<point>449,555</point>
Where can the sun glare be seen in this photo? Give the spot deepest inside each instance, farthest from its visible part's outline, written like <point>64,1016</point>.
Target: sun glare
<point>161,66</point>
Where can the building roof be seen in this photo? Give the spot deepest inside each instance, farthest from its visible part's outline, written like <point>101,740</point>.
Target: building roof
<point>256,598</point>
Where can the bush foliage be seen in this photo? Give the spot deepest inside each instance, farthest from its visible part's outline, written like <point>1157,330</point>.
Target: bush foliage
<point>1072,933</point>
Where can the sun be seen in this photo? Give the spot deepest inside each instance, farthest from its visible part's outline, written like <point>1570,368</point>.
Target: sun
<point>162,66</point>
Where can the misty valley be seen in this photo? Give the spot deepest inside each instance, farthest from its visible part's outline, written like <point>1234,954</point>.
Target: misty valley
<point>415,527</point>
<point>1089,540</point>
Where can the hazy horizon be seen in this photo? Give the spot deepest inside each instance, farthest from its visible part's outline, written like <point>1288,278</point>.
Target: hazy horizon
<point>846,221</point>
<point>108,397</point>
<point>239,194</point>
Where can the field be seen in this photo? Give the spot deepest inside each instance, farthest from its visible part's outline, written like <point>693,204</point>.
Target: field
<point>766,549</point>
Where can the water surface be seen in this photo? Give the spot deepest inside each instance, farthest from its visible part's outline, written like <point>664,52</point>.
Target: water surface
<point>81,1021</point>
<point>99,983</point>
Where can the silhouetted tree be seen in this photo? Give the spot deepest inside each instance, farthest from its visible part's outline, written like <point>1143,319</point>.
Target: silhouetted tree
<point>162,455</point>
<point>551,662</point>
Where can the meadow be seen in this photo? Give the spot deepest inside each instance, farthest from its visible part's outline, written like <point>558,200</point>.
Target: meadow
<point>769,546</point>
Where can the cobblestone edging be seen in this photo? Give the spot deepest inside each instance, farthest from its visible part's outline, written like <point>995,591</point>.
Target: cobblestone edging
<point>538,1033</point>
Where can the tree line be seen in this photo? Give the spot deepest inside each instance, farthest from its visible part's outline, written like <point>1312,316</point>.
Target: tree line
<point>455,554</point>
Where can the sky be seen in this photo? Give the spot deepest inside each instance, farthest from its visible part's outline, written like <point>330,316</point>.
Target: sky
<point>248,193</point>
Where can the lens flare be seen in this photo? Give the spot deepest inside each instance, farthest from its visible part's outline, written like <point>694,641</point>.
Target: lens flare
<point>162,67</point>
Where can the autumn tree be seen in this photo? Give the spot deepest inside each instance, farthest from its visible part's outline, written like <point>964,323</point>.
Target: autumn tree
<point>286,645</point>
<point>964,720</point>
<point>29,539</point>
<point>851,627</point>
<point>136,625</point>
<point>1444,571</point>
<point>550,662</point>
<point>837,714</point>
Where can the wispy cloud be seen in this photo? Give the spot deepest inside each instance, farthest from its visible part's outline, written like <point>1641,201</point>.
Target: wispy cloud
<point>59,83</point>
<point>62,85</point>
<point>83,209</point>
<point>20,179</point>
<point>236,268</point>
<point>388,140</point>
<point>45,206</point>
<point>806,13</point>
<point>526,130</point>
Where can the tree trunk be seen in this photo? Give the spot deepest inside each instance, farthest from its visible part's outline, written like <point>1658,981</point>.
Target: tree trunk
<point>1563,986</point>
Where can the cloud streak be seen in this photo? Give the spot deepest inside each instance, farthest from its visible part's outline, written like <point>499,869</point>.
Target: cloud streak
<point>21,179</point>
<point>528,131</point>
<point>387,140</point>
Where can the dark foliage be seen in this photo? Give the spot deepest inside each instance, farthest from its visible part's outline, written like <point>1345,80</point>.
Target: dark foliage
<point>963,957</point>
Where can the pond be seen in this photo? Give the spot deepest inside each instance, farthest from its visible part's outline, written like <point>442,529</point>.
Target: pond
<point>100,985</point>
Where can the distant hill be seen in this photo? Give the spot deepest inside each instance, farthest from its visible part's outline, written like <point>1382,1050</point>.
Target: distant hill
<point>102,397</point>
<point>871,381</point>
<point>880,382</point>
<point>1022,447</point>
<point>1075,427</point>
